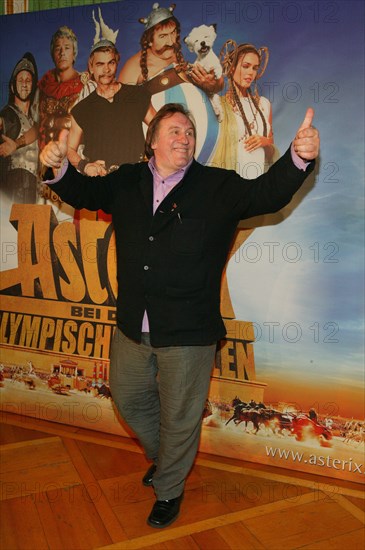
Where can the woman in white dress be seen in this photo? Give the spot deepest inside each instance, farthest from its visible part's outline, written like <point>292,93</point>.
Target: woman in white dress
<point>246,142</point>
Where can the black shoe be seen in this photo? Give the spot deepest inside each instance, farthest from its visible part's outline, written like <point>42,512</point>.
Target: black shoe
<point>164,512</point>
<point>148,477</point>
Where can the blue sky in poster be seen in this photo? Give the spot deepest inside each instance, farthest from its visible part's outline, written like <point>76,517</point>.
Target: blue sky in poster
<point>301,281</point>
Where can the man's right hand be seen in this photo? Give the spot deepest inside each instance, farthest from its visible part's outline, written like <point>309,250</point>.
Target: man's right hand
<point>8,147</point>
<point>55,152</point>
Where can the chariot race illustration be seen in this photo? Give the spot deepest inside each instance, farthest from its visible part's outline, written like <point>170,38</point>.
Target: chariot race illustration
<point>67,378</point>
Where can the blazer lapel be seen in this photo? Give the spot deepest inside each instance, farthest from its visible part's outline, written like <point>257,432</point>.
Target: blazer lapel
<point>169,208</point>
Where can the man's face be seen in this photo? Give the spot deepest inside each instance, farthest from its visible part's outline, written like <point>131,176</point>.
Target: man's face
<point>163,43</point>
<point>174,143</point>
<point>63,53</point>
<point>103,67</point>
<point>23,83</point>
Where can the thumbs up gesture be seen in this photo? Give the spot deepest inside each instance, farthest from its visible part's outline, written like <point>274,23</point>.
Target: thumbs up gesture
<point>54,153</point>
<point>306,141</point>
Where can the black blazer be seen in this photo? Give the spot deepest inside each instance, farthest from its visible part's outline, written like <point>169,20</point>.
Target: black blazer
<point>171,263</point>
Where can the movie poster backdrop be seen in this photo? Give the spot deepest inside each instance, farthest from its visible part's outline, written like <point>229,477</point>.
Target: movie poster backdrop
<point>288,385</point>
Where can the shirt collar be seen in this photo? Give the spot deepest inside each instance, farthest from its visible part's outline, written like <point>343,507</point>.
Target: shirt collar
<point>181,171</point>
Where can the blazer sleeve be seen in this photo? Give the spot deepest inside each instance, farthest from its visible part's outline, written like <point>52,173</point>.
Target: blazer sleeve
<point>93,193</point>
<point>269,192</point>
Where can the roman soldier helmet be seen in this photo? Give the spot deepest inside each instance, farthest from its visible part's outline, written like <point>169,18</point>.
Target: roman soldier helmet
<point>26,63</point>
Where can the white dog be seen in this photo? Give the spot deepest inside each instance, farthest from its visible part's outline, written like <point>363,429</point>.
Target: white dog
<point>201,40</point>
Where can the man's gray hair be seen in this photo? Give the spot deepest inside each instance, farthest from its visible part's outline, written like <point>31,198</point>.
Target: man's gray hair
<point>64,32</point>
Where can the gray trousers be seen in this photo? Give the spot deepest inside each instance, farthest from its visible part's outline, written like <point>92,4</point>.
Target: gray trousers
<point>161,393</point>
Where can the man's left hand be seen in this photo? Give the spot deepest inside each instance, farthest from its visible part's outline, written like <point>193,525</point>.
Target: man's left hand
<point>306,141</point>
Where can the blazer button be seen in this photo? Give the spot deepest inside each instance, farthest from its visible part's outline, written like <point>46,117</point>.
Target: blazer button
<point>146,267</point>
<point>150,238</point>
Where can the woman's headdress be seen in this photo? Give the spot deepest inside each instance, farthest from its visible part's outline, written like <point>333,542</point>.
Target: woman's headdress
<point>231,52</point>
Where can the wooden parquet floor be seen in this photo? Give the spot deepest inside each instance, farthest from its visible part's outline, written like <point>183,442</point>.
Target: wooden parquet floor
<point>65,488</point>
